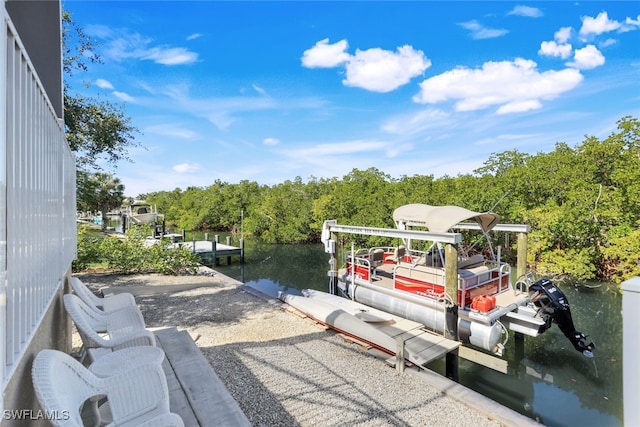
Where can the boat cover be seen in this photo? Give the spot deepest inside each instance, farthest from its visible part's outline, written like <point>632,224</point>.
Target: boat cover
<point>442,218</point>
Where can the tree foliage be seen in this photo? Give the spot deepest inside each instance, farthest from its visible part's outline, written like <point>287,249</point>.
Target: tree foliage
<point>99,192</point>
<point>97,131</point>
<point>583,203</point>
<point>131,255</point>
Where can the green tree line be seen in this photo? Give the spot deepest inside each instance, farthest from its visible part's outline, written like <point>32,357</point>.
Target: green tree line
<point>582,203</point>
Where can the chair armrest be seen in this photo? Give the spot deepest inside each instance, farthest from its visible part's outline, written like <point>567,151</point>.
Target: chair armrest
<point>119,339</point>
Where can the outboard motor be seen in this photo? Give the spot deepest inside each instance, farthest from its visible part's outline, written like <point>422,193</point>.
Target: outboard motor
<point>554,305</point>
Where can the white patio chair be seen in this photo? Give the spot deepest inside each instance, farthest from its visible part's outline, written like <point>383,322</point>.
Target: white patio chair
<point>138,397</point>
<point>111,303</point>
<point>124,328</point>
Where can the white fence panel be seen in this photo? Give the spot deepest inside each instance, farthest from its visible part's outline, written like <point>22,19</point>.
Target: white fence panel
<point>39,201</point>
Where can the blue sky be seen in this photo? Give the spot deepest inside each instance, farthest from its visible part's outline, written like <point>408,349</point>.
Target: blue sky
<point>270,91</point>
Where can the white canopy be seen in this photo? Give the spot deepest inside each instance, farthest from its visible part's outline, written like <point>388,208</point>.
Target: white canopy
<point>442,218</point>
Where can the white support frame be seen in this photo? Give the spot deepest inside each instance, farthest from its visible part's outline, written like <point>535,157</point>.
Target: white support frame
<point>38,204</point>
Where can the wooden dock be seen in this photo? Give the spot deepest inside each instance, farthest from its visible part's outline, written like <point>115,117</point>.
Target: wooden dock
<point>421,346</point>
<point>211,251</point>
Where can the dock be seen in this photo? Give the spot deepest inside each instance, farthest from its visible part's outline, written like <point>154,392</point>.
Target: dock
<point>211,251</point>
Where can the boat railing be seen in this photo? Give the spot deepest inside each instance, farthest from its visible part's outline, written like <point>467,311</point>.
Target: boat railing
<point>359,264</point>
<point>482,277</point>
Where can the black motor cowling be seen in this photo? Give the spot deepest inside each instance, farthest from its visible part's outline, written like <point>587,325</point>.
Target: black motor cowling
<point>554,306</point>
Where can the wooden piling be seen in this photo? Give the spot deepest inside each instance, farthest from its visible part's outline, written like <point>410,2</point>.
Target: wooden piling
<point>451,313</point>
<point>400,354</point>
<point>521,268</point>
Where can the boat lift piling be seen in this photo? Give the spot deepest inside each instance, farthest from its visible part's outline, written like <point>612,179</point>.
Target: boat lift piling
<point>630,350</point>
<point>451,314</point>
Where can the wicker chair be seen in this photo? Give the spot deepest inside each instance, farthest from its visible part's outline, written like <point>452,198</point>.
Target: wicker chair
<point>123,328</point>
<point>137,397</point>
<point>112,303</point>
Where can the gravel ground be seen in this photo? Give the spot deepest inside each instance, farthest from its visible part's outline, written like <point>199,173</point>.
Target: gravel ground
<point>284,369</point>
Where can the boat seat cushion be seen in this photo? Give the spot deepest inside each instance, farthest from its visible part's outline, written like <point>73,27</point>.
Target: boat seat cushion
<point>465,262</point>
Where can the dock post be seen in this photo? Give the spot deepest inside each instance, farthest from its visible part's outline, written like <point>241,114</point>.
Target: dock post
<point>213,251</point>
<point>217,238</point>
<point>206,236</point>
<point>451,313</point>
<point>333,262</point>
<point>630,350</point>
<point>242,251</point>
<point>519,346</point>
<point>521,268</point>
<point>400,354</point>
<point>184,235</point>
<point>229,244</point>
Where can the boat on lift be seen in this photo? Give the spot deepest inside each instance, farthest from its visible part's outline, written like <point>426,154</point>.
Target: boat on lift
<point>409,279</point>
<point>140,212</point>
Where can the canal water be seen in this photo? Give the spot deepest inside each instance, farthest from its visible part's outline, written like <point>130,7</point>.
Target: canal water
<point>553,383</point>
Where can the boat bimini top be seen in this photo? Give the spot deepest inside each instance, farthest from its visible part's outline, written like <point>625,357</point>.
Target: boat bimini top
<point>441,219</point>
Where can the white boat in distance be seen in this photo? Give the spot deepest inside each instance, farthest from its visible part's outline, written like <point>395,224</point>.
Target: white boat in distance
<point>410,282</point>
<point>142,213</point>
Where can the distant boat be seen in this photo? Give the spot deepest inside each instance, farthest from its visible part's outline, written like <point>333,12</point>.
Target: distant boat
<point>142,213</point>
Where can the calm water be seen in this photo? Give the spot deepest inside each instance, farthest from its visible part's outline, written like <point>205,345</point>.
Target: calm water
<point>553,383</point>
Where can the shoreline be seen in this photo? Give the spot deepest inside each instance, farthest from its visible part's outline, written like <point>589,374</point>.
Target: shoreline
<point>285,369</point>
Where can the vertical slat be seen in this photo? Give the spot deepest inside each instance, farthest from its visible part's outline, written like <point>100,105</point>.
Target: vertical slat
<point>12,242</point>
<point>5,95</point>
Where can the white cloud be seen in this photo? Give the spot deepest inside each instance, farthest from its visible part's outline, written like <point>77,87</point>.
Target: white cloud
<point>563,35</point>
<point>325,55</point>
<point>530,12</point>
<point>186,167</point>
<point>519,106</point>
<point>122,96</point>
<point>194,36</point>
<point>513,86</point>
<point>170,56</point>
<point>598,25</point>
<point>587,58</point>
<point>122,44</point>
<point>479,31</point>
<point>317,152</point>
<point>381,70</point>
<point>607,43</point>
<point>554,49</point>
<point>375,69</point>
<point>271,141</point>
<point>104,84</point>
<point>414,123</point>
<point>172,130</point>
<point>633,22</point>
<point>260,90</point>
<point>559,47</point>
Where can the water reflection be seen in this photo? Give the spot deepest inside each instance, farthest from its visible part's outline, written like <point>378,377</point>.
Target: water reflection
<point>552,383</point>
